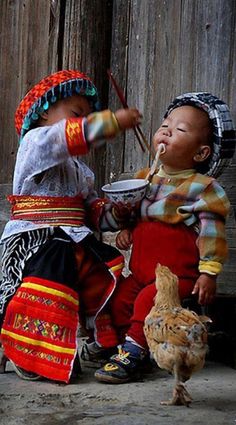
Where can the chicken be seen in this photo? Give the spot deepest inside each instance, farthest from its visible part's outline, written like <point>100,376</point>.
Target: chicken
<point>177,337</point>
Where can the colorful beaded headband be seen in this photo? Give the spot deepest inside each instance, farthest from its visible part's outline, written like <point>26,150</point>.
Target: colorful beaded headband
<point>224,137</point>
<point>57,86</point>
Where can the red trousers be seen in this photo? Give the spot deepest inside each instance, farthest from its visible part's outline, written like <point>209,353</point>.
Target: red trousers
<point>173,246</point>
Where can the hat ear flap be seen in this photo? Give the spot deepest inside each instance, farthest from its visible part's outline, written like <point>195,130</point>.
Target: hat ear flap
<point>202,154</point>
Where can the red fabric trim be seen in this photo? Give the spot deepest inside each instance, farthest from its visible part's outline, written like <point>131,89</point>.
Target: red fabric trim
<point>96,209</point>
<point>48,209</point>
<point>44,325</point>
<point>115,261</point>
<point>76,142</point>
<point>62,318</point>
<point>51,284</point>
<point>56,373</point>
<point>34,201</point>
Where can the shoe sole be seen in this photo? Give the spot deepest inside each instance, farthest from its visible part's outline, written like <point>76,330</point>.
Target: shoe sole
<point>21,374</point>
<point>110,379</point>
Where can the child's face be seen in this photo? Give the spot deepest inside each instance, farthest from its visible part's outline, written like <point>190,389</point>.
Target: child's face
<point>73,106</point>
<point>185,134</point>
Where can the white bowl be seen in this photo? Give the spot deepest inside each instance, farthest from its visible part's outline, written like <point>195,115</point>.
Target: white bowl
<point>126,191</point>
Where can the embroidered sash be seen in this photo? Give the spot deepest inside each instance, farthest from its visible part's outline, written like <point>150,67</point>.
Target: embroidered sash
<point>55,211</point>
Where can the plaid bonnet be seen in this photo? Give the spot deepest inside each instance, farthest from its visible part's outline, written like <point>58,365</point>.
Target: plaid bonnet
<point>224,137</point>
<point>57,86</point>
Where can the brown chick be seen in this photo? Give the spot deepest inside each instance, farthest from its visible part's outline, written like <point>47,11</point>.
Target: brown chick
<point>177,337</point>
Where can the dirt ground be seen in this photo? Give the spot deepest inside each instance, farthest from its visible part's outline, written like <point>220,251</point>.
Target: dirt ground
<point>88,402</point>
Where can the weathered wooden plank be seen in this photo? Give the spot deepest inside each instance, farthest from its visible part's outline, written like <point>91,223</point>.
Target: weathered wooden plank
<point>24,59</point>
<point>54,42</point>
<point>86,46</point>
<point>118,65</point>
<point>177,46</point>
<point>142,79</point>
<point>228,182</point>
<point>216,20</point>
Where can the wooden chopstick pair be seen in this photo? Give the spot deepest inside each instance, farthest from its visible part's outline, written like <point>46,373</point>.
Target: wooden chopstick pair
<point>137,129</point>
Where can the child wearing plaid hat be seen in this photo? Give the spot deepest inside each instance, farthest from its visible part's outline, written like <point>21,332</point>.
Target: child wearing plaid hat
<point>50,254</point>
<point>181,223</point>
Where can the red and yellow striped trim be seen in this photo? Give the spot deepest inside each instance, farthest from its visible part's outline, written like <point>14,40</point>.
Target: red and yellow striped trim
<point>38,333</point>
<point>56,211</point>
<point>41,88</point>
<point>76,142</point>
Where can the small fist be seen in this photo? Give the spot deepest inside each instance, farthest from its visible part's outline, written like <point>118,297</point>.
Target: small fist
<point>128,118</point>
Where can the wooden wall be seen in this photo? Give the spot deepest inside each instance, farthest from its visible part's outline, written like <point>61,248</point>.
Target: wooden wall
<point>156,49</point>
<point>162,48</point>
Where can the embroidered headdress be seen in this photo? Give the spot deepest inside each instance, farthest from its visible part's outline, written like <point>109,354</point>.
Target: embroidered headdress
<point>57,86</point>
<point>224,137</point>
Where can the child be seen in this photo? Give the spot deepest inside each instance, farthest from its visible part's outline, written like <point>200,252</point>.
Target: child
<point>50,254</point>
<point>181,223</point>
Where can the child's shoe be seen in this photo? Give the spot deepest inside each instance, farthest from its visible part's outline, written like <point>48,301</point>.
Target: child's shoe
<point>3,360</point>
<point>95,356</point>
<point>24,374</point>
<point>124,366</point>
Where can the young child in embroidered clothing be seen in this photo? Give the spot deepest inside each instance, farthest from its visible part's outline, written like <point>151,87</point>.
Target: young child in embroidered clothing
<point>50,254</point>
<point>181,223</point>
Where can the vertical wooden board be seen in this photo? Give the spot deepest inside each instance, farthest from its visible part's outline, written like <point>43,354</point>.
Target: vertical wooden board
<point>54,42</point>
<point>86,46</point>
<point>141,77</point>
<point>28,45</point>
<point>191,48</point>
<point>153,71</point>
<point>166,63</point>
<point>216,20</point>
<point>215,62</point>
<point>24,59</point>
<point>186,48</point>
<point>118,65</point>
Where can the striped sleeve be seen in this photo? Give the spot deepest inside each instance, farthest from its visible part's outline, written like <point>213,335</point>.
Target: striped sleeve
<point>212,208</point>
<point>81,133</point>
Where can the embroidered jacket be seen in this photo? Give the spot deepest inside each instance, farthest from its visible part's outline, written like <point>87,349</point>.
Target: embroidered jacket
<point>196,200</point>
<point>47,164</point>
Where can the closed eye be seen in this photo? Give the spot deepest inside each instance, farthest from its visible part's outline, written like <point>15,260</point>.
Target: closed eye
<point>164,126</point>
<point>181,129</point>
<point>76,114</point>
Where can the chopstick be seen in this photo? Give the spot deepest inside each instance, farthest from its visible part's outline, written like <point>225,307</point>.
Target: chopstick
<point>137,130</point>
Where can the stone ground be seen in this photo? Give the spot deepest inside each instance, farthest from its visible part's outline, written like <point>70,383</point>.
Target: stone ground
<point>88,402</point>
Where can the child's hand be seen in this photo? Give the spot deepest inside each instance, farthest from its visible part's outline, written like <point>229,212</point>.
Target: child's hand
<point>124,239</point>
<point>128,118</point>
<point>205,287</point>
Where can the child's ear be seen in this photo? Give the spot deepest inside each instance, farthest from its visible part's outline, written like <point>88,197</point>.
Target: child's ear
<point>202,153</point>
<point>44,116</point>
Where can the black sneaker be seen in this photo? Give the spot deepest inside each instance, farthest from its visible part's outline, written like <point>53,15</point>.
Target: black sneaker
<point>124,366</point>
<point>95,356</point>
